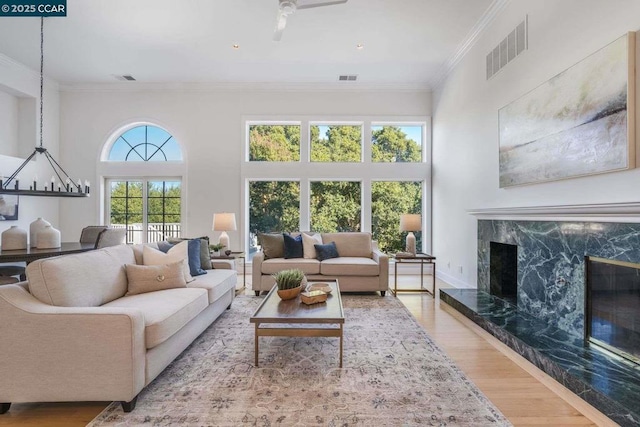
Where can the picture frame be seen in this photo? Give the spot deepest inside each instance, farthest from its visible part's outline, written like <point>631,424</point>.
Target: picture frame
<point>580,122</point>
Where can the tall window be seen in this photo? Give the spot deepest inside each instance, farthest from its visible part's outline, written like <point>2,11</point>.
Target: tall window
<point>148,206</point>
<point>337,174</point>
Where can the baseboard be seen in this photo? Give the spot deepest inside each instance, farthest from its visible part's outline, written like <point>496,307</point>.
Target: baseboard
<point>564,393</point>
<point>451,280</point>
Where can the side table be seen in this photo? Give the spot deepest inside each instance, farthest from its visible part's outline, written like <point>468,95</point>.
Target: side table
<point>234,256</point>
<point>418,258</point>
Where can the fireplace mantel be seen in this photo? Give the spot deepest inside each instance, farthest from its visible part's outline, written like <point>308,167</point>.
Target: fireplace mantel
<point>607,212</point>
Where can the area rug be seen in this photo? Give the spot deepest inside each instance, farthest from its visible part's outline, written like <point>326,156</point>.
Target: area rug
<point>393,375</point>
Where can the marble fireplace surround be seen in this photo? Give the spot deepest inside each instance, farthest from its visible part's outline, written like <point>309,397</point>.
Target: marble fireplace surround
<point>547,326</point>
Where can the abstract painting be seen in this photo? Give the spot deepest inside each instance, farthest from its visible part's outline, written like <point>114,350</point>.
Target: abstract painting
<point>574,124</point>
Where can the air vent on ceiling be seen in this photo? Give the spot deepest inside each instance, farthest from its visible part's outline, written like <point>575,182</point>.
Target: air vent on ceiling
<point>508,49</point>
<point>347,78</point>
<point>125,77</point>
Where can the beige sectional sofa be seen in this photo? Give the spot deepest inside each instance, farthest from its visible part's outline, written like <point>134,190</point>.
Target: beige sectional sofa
<point>71,334</point>
<point>361,267</point>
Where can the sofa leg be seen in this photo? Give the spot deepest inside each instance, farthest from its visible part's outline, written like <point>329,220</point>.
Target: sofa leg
<point>129,406</point>
<point>229,307</point>
<point>382,293</point>
<point>257,293</point>
<point>4,407</point>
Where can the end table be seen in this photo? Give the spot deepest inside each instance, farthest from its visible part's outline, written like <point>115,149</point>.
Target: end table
<point>234,256</point>
<point>418,258</point>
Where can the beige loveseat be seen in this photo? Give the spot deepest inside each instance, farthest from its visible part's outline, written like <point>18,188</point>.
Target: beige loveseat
<point>361,267</point>
<point>71,334</point>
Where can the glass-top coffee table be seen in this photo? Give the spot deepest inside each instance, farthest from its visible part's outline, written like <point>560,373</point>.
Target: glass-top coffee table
<point>292,318</point>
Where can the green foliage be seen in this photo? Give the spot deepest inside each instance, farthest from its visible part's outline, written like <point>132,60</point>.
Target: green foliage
<point>335,206</point>
<point>274,143</point>
<point>163,202</point>
<point>289,279</point>
<point>390,144</point>
<point>274,206</point>
<point>340,144</point>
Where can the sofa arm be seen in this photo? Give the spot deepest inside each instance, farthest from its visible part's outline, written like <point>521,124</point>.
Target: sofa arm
<point>256,270</point>
<point>68,353</point>
<point>383,262</point>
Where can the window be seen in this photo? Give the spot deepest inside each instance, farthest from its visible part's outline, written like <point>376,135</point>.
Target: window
<point>274,206</point>
<point>145,144</point>
<point>328,180</point>
<point>155,220</point>
<point>389,200</point>
<point>143,168</point>
<point>336,143</point>
<point>274,143</point>
<point>399,143</point>
<point>335,206</point>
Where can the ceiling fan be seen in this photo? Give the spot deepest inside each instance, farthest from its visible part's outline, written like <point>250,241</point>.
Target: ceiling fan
<point>287,8</point>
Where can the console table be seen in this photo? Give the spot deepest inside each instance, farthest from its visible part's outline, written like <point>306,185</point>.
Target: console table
<point>31,254</point>
<point>418,258</point>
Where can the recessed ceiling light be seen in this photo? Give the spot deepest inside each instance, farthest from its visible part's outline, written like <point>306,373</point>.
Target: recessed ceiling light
<point>236,46</point>
<point>359,46</point>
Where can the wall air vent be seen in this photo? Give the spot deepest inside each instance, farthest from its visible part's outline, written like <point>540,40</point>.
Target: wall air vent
<point>347,78</point>
<point>508,49</point>
<point>125,78</point>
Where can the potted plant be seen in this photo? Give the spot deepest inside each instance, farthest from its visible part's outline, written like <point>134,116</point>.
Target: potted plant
<point>290,283</point>
<point>216,248</point>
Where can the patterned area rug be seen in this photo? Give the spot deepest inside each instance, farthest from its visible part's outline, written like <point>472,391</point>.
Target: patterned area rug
<point>393,375</point>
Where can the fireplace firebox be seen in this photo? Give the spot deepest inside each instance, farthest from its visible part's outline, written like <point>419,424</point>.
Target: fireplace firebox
<point>503,271</point>
<point>612,306</point>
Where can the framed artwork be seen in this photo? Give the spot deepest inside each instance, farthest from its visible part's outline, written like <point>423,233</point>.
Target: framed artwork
<point>580,122</point>
<point>8,207</point>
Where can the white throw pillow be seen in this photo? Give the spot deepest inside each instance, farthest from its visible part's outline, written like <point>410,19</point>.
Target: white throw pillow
<point>308,250</point>
<point>179,252</point>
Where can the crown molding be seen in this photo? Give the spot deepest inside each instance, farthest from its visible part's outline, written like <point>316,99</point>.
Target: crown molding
<point>469,41</point>
<point>244,87</point>
<point>628,210</point>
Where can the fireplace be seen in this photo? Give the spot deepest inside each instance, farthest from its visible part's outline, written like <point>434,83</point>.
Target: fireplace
<point>503,271</point>
<point>612,306</point>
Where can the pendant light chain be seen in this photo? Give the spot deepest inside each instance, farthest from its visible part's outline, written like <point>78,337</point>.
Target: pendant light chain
<point>41,75</point>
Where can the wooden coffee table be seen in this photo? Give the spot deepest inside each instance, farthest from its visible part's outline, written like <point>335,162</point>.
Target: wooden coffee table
<point>290,318</point>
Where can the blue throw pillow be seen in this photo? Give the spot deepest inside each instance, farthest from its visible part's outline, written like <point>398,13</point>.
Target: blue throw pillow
<point>195,266</point>
<point>327,251</point>
<point>292,246</point>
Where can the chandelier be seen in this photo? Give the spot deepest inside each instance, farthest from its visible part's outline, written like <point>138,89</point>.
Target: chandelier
<point>64,185</point>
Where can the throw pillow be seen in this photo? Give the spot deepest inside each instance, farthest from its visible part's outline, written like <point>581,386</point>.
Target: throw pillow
<point>292,246</point>
<point>149,278</point>
<point>179,252</point>
<point>272,245</point>
<point>205,254</point>
<point>193,250</point>
<point>307,242</point>
<point>327,251</point>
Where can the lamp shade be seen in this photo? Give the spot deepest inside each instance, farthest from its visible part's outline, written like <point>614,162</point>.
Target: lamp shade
<point>410,222</point>
<point>224,221</point>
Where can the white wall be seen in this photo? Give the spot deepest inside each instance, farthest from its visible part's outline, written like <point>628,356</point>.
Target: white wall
<point>207,122</point>
<point>465,122</point>
<point>19,90</point>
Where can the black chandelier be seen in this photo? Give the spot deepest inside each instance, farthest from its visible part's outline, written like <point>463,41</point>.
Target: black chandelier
<point>65,186</point>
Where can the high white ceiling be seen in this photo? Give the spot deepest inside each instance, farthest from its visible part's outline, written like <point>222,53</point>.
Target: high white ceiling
<point>405,41</point>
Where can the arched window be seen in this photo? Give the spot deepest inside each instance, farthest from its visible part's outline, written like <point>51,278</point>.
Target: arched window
<point>140,196</point>
<point>145,143</point>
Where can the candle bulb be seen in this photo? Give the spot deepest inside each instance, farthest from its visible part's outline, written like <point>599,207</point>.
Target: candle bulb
<point>79,186</point>
<point>59,185</point>
<point>86,186</point>
<point>44,185</point>
<point>16,184</point>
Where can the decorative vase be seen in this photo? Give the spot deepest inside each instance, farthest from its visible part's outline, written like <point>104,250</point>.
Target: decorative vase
<point>34,228</point>
<point>286,294</point>
<point>48,238</point>
<point>14,238</point>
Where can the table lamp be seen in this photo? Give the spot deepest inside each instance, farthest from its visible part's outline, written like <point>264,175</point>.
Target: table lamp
<point>224,222</point>
<point>411,223</point>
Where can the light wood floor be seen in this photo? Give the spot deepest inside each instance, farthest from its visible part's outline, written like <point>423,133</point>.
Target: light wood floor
<point>521,396</point>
